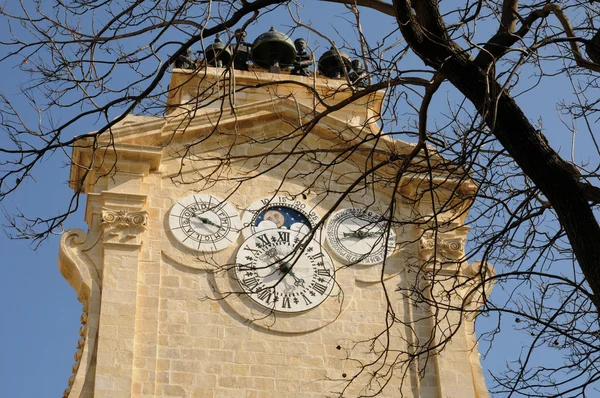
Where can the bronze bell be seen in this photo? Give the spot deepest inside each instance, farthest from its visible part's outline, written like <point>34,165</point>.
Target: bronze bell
<point>273,48</point>
<point>217,54</point>
<point>333,62</point>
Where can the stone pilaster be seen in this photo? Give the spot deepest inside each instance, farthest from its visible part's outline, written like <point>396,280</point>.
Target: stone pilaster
<point>452,289</point>
<point>123,226</point>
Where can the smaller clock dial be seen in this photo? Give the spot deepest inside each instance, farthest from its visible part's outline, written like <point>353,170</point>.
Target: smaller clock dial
<point>279,212</point>
<point>359,236</point>
<point>282,270</point>
<point>204,222</point>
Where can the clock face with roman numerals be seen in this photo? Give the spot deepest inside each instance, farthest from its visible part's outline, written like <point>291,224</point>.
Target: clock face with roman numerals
<point>204,222</point>
<point>281,269</point>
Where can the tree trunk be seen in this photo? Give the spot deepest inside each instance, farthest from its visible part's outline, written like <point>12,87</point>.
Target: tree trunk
<point>556,178</point>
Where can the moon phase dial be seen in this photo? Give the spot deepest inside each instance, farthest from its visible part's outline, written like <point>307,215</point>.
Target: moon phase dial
<point>275,212</point>
<point>204,222</point>
<point>282,270</point>
<point>359,236</point>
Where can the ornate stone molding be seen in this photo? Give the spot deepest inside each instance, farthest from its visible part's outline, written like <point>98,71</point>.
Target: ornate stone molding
<point>123,227</point>
<point>81,345</point>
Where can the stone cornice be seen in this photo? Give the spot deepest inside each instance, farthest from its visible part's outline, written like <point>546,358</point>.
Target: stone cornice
<point>89,162</point>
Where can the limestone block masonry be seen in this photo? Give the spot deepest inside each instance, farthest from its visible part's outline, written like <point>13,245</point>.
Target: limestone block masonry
<point>161,320</point>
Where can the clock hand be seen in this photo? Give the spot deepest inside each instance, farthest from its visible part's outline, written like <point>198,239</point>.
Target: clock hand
<point>284,267</point>
<point>287,288</point>
<point>360,234</point>
<point>273,254</point>
<point>280,265</point>
<point>297,281</point>
<point>205,220</point>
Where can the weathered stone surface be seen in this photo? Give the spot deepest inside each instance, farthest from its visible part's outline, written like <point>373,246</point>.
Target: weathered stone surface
<point>162,321</point>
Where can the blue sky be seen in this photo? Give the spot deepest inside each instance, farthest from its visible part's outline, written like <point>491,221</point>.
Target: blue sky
<point>40,312</point>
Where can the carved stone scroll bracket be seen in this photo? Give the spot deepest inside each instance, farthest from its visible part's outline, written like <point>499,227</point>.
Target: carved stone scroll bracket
<point>123,227</point>
<point>84,276</point>
<point>75,383</point>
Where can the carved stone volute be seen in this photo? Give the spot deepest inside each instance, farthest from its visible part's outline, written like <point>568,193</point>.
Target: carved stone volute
<point>448,245</point>
<point>123,227</point>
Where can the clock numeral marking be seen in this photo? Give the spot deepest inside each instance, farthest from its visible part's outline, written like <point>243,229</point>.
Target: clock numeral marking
<point>286,302</point>
<point>319,288</point>
<point>264,239</point>
<point>203,202</point>
<point>255,252</point>
<point>250,282</point>
<point>265,295</point>
<point>323,272</point>
<point>317,256</point>
<point>246,267</point>
<point>284,236</point>
<point>306,300</point>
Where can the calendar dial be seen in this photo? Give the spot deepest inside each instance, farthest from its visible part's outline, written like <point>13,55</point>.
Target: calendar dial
<point>360,236</point>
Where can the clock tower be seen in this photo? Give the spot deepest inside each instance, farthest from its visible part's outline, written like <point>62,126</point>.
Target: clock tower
<point>264,238</point>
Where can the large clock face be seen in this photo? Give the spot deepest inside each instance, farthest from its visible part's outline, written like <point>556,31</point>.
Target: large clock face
<point>204,222</point>
<point>359,236</point>
<point>282,270</point>
<point>279,212</point>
